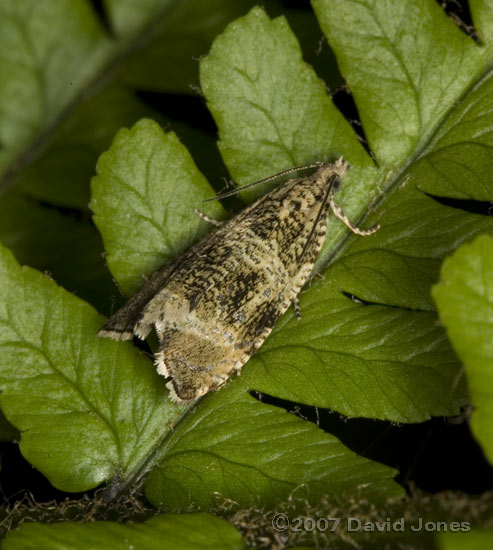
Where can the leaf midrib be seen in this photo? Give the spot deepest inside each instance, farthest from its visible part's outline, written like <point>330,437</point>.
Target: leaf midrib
<point>100,81</point>
<point>419,152</point>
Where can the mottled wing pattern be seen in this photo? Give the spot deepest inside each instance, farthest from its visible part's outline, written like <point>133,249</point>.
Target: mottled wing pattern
<point>214,306</point>
<point>221,303</point>
<point>121,326</point>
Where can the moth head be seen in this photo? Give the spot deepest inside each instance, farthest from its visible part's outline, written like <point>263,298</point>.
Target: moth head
<point>340,167</point>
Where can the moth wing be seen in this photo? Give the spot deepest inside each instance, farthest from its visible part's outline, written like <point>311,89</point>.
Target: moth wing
<point>122,325</point>
<point>131,319</point>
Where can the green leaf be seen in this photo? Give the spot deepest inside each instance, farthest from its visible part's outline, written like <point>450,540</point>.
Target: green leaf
<point>180,532</point>
<point>385,348</point>
<point>234,447</point>
<point>400,75</point>
<point>130,186</point>
<point>80,401</point>
<point>464,299</point>
<point>68,248</point>
<point>371,361</point>
<point>186,34</point>
<point>473,540</point>
<point>178,42</point>
<point>203,148</point>
<point>272,110</point>
<point>128,17</point>
<point>7,431</point>
<point>63,173</point>
<point>482,15</point>
<point>42,84</point>
<point>59,106</point>
<point>143,198</point>
<point>38,79</point>
<point>380,355</point>
<point>457,161</point>
<point>316,51</point>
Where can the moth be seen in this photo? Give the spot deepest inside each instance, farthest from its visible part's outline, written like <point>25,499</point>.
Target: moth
<point>214,306</point>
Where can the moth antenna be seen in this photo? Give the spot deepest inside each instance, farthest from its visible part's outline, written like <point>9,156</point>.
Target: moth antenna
<point>265,180</point>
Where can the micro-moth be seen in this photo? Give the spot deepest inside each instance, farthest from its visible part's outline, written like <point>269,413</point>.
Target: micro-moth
<point>214,306</point>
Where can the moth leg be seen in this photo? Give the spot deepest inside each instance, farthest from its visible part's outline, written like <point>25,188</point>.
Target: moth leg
<point>296,305</point>
<point>207,218</point>
<point>340,214</point>
<point>239,364</point>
